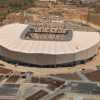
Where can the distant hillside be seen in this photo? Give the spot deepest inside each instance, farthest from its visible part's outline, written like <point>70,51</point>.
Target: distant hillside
<point>17,3</point>
<point>8,6</point>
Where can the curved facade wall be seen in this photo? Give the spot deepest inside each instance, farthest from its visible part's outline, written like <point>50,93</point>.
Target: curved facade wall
<point>48,59</point>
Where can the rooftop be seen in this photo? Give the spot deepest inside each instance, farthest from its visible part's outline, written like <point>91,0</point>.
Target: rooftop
<point>10,39</point>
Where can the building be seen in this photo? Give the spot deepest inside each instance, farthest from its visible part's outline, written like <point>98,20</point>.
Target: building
<point>32,44</point>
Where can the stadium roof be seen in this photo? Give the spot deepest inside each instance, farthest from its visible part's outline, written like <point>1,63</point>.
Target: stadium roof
<point>10,38</point>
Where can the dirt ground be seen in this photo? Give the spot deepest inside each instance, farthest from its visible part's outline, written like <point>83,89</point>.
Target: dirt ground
<point>91,65</point>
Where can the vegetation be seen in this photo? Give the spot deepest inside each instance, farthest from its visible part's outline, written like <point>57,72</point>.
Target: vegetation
<point>8,6</point>
<point>98,66</point>
<point>97,6</point>
<point>17,4</point>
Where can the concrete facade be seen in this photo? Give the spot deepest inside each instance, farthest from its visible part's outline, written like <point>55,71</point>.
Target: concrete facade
<point>83,46</point>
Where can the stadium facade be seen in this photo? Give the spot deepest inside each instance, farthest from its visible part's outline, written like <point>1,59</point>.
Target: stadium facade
<point>21,43</point>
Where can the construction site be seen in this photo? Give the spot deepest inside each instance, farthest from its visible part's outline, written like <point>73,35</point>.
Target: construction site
<point>50,51</point>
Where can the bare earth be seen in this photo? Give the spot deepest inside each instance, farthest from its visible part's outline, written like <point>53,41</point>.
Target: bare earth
<point>91,65</point>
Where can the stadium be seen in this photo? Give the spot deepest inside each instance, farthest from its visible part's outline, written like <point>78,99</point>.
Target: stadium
<point>43,44</point>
